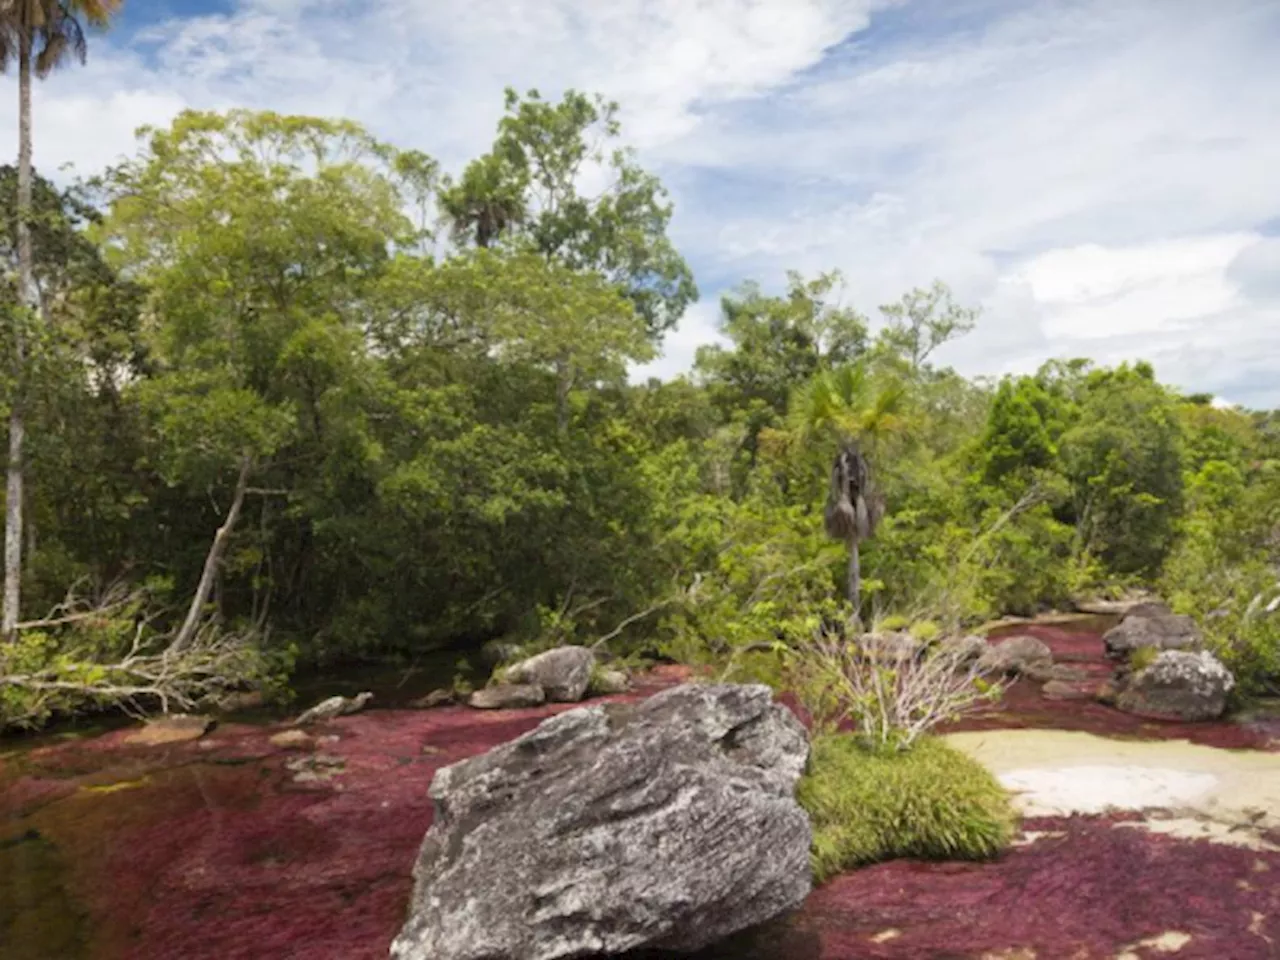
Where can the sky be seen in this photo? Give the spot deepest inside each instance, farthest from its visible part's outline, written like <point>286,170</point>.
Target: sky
<point>1100,177</point>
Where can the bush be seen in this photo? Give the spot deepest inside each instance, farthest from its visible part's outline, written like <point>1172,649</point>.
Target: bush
<point>891,688</point>
<point>931,802</point>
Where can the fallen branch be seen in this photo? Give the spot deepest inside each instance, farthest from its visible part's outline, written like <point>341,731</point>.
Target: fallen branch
<point>151,673</point>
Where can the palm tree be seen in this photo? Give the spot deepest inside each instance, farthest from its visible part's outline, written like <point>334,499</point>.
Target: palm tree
<point>854,508</point>
<point>488,202</point>
<point>40,35</point>
<point>843,406</point>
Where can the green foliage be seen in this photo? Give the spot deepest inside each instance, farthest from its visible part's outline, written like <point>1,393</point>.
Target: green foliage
<point>931,802</point>
<point>1124,460</point>
<point>444,448</point>
<point>1143,657</point>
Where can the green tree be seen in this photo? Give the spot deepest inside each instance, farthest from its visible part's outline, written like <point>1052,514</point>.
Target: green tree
<point>257,236</point>
<point>922,321</point>
<point>780,342</point>
<point>529,190</point>
<point>1124,458</point>
<point>40,35</point>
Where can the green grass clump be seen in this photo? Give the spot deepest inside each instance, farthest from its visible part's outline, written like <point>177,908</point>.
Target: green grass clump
<point>930,802</point>
<point>1143,657</point>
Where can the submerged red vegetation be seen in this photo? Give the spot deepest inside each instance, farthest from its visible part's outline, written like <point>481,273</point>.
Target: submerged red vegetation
<point>1024,705</point>
<point>1086,890</point>
<point>212,851</point>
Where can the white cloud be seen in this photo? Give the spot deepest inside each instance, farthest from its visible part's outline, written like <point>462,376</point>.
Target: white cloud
<point>700,326</point>
<point>1092,173</point>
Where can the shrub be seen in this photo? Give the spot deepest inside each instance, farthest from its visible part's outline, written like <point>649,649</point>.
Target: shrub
<point>892,688</point>
<point>930,802</point>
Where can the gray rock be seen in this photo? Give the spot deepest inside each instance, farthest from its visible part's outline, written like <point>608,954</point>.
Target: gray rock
<point>436,698</point>
<point>1164,631</point>
<point>563,673</point>
<point>1179,685</point>
<point>666,824</point>
<point>968,648</point>
<point>507,696</point>
<point>1069,690</point>
<point>1020,654</point>
<point>173,728</point>
<point>332,708</point>
<point>607,681</point>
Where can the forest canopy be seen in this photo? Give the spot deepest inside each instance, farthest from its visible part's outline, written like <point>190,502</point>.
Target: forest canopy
<point>403,396</point>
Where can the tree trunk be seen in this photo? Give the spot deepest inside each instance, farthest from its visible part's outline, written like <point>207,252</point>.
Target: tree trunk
<point>854,586</point>
<point>210,573</point>
<point>26,291</point>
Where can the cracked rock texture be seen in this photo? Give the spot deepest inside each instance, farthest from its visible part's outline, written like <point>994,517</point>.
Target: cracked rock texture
<point>1179,686</point>
<point>667,825</point>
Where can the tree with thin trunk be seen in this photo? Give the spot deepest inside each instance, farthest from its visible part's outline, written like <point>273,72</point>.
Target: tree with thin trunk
<point>845,407</point>
<point>40,35</point>
<point>853,512</point>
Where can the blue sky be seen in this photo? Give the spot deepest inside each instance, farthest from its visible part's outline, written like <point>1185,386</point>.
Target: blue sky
<point>1102,177</point>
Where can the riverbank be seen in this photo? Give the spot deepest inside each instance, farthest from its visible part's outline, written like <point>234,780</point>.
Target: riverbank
<point>235,847</point>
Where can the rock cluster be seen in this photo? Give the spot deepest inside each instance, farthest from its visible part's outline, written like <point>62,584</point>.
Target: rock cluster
<point>562,675</point>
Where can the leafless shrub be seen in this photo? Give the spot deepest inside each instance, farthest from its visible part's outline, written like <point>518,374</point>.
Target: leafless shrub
<point>890,689</point>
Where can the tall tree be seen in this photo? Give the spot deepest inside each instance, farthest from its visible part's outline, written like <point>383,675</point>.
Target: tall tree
<point>532,191</point>
<point>40,35</point>
<point>922,321</point>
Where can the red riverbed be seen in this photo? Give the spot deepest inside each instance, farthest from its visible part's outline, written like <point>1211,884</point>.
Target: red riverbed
<point>211,851</point>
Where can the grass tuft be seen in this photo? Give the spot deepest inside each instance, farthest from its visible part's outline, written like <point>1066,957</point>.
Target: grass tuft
<point>931,802</point>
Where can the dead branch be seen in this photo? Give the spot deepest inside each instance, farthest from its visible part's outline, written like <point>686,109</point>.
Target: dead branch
<point>151,673</point>
<point>186,633</point>
<point>632,619</point>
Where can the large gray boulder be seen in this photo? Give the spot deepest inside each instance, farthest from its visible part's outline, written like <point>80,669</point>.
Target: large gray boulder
<point>563,673</point>
<point>1179,685</point>
<point>1153,627</point>
<point>1021,654</point>
<point>666,824</point>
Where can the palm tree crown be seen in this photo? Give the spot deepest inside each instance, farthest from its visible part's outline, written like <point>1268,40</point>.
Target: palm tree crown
<point>53,28</point>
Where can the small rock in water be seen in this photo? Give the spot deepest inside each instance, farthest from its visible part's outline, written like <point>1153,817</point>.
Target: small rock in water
<point>175,728</point>
<point>292,740</point>
<point>967,648</point>
<point>1152,628</point>
<point>507,696</point>
<point>332,708</point>
<point>315,767</point>
<point>1069,690</point>
<point>563,673</point>
<point>1017,655</point>
<point>1048,672</point>
<point>436,698</point>
<point>605,682</point>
